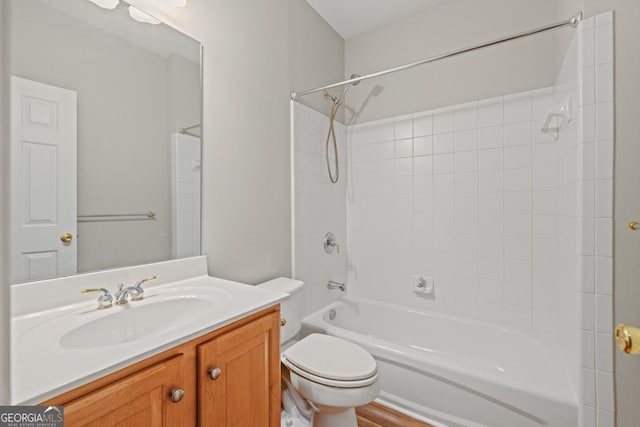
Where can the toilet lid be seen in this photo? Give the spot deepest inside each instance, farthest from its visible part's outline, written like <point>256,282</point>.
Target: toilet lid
<point>332,358</point>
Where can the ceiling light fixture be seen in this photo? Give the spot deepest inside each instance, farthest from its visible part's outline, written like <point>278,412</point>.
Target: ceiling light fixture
<point>106,4</point>
<point>140,16</point>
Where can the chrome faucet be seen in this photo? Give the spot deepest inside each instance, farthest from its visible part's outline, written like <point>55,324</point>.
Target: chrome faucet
<point>122,296</point>
<point>105,300</point>
<point>336,285</point>
<point>136,291</point>
<point>138,286</point>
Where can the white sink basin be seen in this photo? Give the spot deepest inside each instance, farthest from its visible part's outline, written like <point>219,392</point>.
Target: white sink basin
<point>133,322</point>
<point>59,340</point>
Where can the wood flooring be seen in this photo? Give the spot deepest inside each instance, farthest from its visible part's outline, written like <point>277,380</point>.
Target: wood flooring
<point>376,415</point>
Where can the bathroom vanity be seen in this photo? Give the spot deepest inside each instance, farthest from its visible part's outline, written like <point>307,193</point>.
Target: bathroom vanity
<point>196,350</point>
<point>227,377</point>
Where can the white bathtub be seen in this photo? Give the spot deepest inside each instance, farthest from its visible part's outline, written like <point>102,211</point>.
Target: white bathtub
<point>453,371</point>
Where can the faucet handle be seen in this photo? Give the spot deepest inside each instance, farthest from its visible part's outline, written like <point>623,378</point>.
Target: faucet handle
<point>148,279</point>
<point>105,300</point>
<point>139,295</point>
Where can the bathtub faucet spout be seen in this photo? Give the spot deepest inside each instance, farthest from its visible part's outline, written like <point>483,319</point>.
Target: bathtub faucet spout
<point>336,285</point>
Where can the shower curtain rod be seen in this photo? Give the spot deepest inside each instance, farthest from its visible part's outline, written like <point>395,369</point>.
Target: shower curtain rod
<point>573,22</point>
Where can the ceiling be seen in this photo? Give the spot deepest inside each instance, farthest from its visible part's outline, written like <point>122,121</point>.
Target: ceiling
<point>352,17</point>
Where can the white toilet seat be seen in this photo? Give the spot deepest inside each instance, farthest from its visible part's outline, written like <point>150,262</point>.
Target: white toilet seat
<point>328,381</point>
<point>331,361</point>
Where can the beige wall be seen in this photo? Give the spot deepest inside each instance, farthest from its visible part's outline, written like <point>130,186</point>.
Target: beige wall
<point>254,52</point>
<point>455,24</point>
<point>4,210</point>
<point>627,200</point>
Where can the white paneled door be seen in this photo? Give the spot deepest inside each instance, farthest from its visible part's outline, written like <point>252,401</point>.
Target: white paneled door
<point>43,181</point>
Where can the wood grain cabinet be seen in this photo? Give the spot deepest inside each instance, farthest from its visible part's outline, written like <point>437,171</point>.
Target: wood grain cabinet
<point>141,399</point>
<point>226,378</point>
<point>235,380</point>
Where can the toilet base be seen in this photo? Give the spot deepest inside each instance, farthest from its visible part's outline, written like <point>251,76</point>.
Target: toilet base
<point>346,418</point>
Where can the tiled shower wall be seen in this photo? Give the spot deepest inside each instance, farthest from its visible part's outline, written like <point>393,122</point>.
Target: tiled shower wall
<point>594,188</point>
<point>583,211</point>
<point>463,194</point>
<point>319,206</point>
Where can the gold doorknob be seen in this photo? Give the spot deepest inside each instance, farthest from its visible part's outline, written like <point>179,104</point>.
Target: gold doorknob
<point>628,338</point>
<point>633,226</point>
<point>283,321</point>
<point>66,237</point>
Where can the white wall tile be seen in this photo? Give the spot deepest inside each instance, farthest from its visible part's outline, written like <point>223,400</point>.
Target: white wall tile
<point>423,165</point>
<point>466,161</point>
<point>517,179</point>
<point>384,151</point>
<point>490,112</point>
<point>587,41</point>
<point>587,311</point>
<point>404,148</point>
<point>604,159</point>
<point>587,416</point>
<point>386,131</point>
<point>604,198</point>
<point>604,352</point>
<point>587,273</point>
<point>443,121</point>
<point>604,237</point>
<point>587,345</point>
<point>606,419</point>
<point>517,134</point>
<point>604,390</point>
<point>517,157</point>
<point>489,181</point>
<point>490,137</point>
<point>403,129</point>
<point>604,275</point>
<point>423,146</point>
<point>466,140</point>
<point>466,116</point>
<point>604,314</point>
<point>517,108</point>
<point>604,82</point>
<point>422,124</point>
<point>587,389</point>
<point>444,143</point>
<point>604,121</point>
<point>443,163</point>
<point>604,44</point>
<point>518,316</point>
<point>588,82</point>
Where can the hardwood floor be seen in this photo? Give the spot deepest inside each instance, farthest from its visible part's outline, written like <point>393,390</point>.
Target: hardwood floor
<point>376,415</point>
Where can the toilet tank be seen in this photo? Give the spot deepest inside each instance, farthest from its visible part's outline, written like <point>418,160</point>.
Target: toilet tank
<point>290,308</point>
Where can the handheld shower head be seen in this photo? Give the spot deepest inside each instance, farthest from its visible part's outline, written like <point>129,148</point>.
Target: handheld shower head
<point>345,90</point>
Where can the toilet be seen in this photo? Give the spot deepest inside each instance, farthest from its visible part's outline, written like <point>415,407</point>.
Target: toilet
<point>333,375</point>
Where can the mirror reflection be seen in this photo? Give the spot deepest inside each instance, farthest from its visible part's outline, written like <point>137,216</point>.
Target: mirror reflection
<point>105,139</point>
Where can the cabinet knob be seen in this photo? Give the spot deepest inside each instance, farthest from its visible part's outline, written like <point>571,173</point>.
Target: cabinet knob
<point>214,373</point>
<point>176,395</point>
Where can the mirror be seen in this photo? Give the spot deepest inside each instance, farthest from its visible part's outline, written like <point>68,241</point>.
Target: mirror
<point>105,139</point>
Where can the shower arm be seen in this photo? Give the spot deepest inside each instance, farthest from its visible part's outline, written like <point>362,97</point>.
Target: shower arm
<point>571,22</point>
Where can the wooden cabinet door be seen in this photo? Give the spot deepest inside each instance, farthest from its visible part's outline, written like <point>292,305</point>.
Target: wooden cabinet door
<point>247,391</point>
<point>139,400</point>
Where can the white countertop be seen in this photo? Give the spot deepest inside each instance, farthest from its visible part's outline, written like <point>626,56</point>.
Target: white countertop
<point>42,368</point>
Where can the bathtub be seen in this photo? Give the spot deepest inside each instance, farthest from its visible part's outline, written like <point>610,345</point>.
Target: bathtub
<point>451,371</point>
